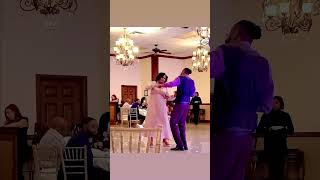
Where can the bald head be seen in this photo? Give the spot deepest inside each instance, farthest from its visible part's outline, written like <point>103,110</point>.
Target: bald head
<point>57,123</point>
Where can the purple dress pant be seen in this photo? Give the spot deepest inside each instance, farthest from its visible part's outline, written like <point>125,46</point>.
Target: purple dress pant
<point>178,124</point>
<point>231,154</point>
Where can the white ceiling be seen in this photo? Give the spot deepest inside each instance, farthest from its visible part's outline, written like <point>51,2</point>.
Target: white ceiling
<point>177,40</point>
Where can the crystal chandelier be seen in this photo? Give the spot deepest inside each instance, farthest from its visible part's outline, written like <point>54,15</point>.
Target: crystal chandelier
<point>204,33</point>
<point>49,7</point>
<point>125,50</point>
<point>200,59</point>
<point>291,16</point>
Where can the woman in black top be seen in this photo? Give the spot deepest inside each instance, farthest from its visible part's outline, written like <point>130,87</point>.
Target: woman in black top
<point>276,126</point>
<point>143,103</point>
<point>15,119</point>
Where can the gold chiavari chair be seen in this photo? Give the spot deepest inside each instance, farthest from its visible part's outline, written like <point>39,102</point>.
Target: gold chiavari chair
<point>118,135</point>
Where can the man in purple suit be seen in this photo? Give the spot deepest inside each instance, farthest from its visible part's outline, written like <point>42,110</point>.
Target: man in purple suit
<point>185,90</point>
<point>243,86</point>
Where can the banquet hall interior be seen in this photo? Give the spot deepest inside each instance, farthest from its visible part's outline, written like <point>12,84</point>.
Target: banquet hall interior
<point>155,50</point>
<point>53,84</point>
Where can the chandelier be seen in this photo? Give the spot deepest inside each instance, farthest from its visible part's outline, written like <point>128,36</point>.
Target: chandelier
<point>49,7</point>
<point>291,16</point>
<point>204,33</point>
<point>200,59</point>
<point>125,50</point>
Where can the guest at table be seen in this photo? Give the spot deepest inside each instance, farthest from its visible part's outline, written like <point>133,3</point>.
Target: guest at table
<point>89,129</point>
<point>15,119</point>
<point>104,122</point>
<point>127,103</point>
<point>173,97</point>
<point>143,104</point>
<point>114,98</point>
<point>103,131</point>
<point>54,138</point>
<point>275,126</point>
<point>137,104</point>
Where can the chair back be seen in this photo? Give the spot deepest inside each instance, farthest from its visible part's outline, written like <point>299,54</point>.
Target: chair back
<point>133,116</point>
<point>124,115</point>
<point>134,136</point>
<point>75,162</point>
<point>46,161</point>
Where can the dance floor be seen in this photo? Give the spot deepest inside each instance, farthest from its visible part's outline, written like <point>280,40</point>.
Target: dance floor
<point>197,137</point>
<point>191,164</point>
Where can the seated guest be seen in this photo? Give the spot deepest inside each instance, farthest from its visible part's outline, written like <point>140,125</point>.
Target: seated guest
<point>136,104</point>
<point>54,138</point>
<point>172,98</point>
<point>143,103</point>
<point>103,131</point>
<point>170,107</point>
<point>104,122</point>
<point>114,98</point>
<point>15,119</point>
<point>89,129</point>
<point>127,103</point>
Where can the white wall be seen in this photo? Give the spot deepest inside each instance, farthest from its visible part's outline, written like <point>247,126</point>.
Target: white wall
<point>120,76</point>
<point>295,60</point>
<point>76,47</point>
<point>145,74</point>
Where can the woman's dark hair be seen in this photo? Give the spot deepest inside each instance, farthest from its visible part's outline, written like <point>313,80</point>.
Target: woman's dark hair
<point>142,100</point>
<point>253,30</point>
<point>160,75</point>
<point>16,111</point>
<point>280,99</point>
<point>113,95</point>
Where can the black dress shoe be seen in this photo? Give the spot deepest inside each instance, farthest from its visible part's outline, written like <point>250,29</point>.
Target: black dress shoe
<point>176,149</point>
<point>186,148</point>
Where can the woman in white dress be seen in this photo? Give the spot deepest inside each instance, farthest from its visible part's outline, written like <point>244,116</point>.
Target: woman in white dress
<point>157,112</point>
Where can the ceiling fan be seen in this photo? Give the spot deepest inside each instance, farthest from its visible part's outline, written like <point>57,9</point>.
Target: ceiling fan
<point>156,50</point>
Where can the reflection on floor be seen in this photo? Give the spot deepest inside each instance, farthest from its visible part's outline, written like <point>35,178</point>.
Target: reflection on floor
<point>198,138</point>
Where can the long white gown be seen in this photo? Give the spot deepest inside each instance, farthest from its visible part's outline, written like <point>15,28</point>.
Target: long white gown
<point>157,111</point>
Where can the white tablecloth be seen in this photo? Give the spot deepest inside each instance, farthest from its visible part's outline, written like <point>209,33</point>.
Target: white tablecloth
<point>101,159</point>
